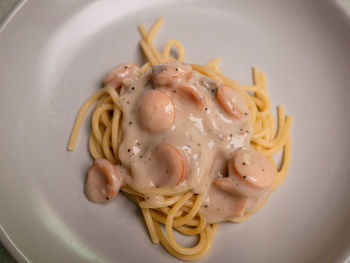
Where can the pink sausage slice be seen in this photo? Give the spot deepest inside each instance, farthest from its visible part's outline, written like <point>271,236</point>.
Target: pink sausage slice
<point>171,72</point>
<point>192,91</point>
<point>120,72</point>
<point>172,165</point>
<point>103,182</point>
<point>231,101</point>
<point>155,111</point>
<point>238,206</point>
<point>227,185</point>
<point>253,167</point>
<point>250,174</point>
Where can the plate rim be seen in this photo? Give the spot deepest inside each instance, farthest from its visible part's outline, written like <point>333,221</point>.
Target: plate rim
<point>5,239</point>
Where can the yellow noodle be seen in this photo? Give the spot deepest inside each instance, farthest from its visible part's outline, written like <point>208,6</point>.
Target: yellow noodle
<point>114,135</point>
<point>166,202</point>
<point>80,117</point>
<point>150,225</point>
<point>214,64</point>
<point>95,148</point>
<point>145,48</point>
<point>106,147</point>
<point>169,45</point>
<point>95,122</point>
<point>192,213</point>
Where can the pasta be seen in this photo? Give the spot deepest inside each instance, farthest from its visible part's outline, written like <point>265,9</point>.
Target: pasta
<point>179,208</point>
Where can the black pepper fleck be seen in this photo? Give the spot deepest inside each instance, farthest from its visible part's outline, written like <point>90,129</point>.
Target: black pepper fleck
<point>206,206</point>
<point>246,113</point>
<point>206,109</point>
<point>177,69</point>
<point>243,163</point>
<point>125,67</point>
<point>133,88</point>
<point>129,150</point>
<point>107,198</point>
<point>130,122</point>
<point>213,90</point>
<point>244,176</point>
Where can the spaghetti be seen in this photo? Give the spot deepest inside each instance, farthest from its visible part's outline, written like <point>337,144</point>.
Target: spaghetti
<point>179,207</point>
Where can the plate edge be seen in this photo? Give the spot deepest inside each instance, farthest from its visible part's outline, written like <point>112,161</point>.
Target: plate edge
<point>11,14</point>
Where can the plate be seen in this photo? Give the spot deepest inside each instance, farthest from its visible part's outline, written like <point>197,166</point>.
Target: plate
<point>54,54</point>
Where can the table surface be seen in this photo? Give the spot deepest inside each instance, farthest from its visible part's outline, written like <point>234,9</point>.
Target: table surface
<point>5,7</point>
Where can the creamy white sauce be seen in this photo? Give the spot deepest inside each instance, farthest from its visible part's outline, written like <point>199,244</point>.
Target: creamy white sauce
<point>208,138</point>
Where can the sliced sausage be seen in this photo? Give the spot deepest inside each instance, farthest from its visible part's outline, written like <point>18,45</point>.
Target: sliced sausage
<point>187,89</point>
<point>155,111</point>
<point>120,72</point>
<point>232,102</point>
<point>103,181</point>
<point>172,165</point>
<point>250,175</point>
<point>168,73</point>
<point>253,167</point>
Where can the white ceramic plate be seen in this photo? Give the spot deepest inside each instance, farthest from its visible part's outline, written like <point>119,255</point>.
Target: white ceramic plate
<point>53,55</point>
